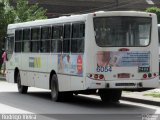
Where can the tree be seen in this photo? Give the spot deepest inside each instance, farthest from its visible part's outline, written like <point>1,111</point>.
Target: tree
<point>25,12</point>
<point>2,24</point>
<point>22,12</point>
<point>155,10</point>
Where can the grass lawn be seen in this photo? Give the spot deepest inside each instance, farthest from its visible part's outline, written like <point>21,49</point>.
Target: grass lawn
<point>153,94</point>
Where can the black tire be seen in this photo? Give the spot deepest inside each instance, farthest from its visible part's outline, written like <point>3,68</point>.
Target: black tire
<point>21,88</point>
<point>110,95</point>
<point>55,94</point>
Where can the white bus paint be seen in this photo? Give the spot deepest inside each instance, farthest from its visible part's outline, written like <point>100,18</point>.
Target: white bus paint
<point>83,70</point>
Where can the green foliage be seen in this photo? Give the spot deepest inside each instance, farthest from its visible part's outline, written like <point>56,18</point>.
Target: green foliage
<point>153,94</point>
<point>155,10</point>
<point>24,12</point>
<point>2,23</point>
<point>21,13</point>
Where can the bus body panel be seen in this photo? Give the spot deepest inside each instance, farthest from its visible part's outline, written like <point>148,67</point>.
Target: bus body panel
<point>122,84</point>
<point>10,76</point>
<point>111,77</point>
<point>35,68</point>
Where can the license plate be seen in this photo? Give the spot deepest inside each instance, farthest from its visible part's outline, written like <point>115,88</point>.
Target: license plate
<point>123,75</point>
<point>143,69</point>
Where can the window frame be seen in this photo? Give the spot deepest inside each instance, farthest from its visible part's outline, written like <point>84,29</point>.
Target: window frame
<point>46,40</point>
<point>67,38</point>
<point>79,37</point>
<point>19,41</point>
<point>39,36</point>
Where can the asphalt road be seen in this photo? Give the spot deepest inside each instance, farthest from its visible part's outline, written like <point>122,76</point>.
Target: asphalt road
<point>81,107</point>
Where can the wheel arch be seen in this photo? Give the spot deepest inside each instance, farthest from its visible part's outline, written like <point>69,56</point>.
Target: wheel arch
<point>50,77</point>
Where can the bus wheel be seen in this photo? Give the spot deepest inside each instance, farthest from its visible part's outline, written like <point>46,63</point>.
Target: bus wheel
<point>21,88</point>
<point>55,94</point>
<point>110,95</point>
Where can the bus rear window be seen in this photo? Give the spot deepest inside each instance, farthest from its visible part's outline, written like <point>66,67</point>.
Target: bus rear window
<point>122,31</point>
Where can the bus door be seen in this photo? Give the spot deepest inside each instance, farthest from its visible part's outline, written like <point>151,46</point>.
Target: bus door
<point>9,47</point>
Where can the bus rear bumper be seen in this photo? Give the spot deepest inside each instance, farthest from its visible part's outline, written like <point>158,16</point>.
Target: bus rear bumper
<point>122,84</point>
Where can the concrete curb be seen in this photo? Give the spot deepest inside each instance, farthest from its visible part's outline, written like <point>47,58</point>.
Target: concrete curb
<point>144,101</point>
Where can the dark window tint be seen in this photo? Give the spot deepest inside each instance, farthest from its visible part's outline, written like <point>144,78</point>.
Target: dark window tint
<point>57,32</point>
<point>18,35</point>
<point>77,45</point>
<point>17,46</point>
<point>35,35</point>
<point>67,31</point>
<point>35,46</point>
<point>26,34</point>
<point>45,46</point>
<point>26,46</point>
<point>10,44</point>
<point>122,31</point>
<point>66,46</point>
<point>78,30</point>
<point>56,46</point>
<point>46,32</point>
<point>77,41</point>
<point>67,38</point>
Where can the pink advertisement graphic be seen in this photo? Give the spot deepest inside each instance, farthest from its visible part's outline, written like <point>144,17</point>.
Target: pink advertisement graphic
<point>70,64</point>
<point>108,59</point>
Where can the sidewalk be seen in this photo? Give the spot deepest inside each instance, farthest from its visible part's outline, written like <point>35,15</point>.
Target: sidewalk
<point>140,98</point>
<point>2,78</point>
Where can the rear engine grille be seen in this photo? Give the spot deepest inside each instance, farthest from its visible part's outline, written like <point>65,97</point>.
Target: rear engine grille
<point>125,84</point>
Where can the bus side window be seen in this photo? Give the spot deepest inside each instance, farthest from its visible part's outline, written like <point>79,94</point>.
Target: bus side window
<point>67,38</point>
<point>35,40</point>
<point>26,34</point>
<point>10,44</point>
<point>45,39</point>
<point>18,40</point>
<point>57,36</point>
<point>26,46</point>
<point>77,41</point>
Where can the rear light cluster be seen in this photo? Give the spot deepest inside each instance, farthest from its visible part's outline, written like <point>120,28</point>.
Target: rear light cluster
<point>123,49</point>
<point>149,75</point>
<point>96,76</point>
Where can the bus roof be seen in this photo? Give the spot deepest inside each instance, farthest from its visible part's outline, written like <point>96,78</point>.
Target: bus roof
<point>72,18</point>
<point>45,22</point>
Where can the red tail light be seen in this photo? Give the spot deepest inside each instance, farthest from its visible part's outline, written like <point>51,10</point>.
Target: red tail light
<point>145,76</point>
<point>154,74</point>
<point>123,49</point>
<point>96,76</point>
<point>101,76</point>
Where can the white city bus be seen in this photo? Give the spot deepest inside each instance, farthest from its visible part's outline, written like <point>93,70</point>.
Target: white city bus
<point>101,52</point>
